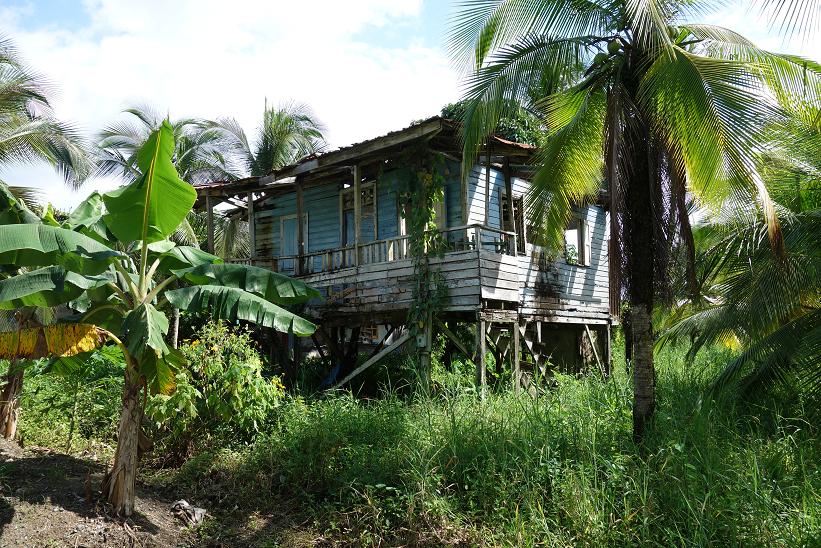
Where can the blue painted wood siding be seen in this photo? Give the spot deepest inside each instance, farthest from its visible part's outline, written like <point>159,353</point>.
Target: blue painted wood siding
<point>476,197</point>
<point>321,204</point>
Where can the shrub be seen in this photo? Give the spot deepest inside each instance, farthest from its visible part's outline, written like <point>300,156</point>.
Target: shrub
<point>221,395</point>
<point>73,399</point>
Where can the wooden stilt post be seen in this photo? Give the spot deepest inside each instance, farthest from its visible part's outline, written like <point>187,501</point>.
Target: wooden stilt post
<point>509,191</point>
<point>516,357</point>
<point>300,228</point>
<point>209,221</point>
<point>487,186</point>
<point>252,229</point>
<point>595,351</point>
<point>608,350</point>
<point>424,358</point>
<point>357,211</point>
<point>481,371</point>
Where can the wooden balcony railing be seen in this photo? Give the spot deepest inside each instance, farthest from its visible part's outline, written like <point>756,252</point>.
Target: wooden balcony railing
<point>459,238</point>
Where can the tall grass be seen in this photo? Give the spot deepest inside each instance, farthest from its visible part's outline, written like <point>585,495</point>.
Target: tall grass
<point>556,470</point>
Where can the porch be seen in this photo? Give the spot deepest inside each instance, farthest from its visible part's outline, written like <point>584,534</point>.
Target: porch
<point>374,281</point>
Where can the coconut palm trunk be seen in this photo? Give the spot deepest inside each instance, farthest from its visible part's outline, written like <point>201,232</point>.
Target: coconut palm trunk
<point>10,403</point>
<point>640,240</point>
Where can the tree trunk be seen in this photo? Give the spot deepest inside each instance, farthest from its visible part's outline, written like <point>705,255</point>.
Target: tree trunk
<point>628,339</point>
<point>175,328</point>
<point>119,483</point>
<point>641,258</point>
<point>10,403</point>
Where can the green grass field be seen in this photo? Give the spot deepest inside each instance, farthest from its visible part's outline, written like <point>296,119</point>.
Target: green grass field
<point>512,470</point>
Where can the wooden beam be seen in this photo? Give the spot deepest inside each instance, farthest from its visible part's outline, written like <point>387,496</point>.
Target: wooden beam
<point>345,155</point>
<point>252,229</point>
<point>209,221</point>
<point>595,352</point>
<point>331,342</point>
<point>382,342</point>
<point>424,359</point>
<point>395,345</point>
<point>450,335</point>
<point>509,191</point>
<point>517,381</point>
<point>318,347</point>
<point>357,211</point>
<point>464,195</point>
<point>481,350</point>
<point>487,186</point>
<point>300,228</point>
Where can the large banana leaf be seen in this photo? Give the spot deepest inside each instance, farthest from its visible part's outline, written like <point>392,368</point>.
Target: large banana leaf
<point>87,218</point>
<point>159,371</point>
<point>72,365</point>
<point>184,257</point>
<point>49,286</point>
<point>269,285</point>
<point>62,339</point>
<point>153,206</point>
<point>12,210</point>
<point>231,303</point>
<point>87,213</point>
<point>42,245</point>
<point>146,327</point>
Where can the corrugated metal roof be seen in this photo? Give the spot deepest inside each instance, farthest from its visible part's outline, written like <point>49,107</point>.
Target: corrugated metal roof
<point>451,124</point>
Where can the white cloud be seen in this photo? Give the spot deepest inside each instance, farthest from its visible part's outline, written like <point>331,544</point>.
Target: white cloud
<point>214,58</point>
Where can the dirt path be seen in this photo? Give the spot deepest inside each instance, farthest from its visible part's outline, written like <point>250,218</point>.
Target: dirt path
<point>44,502</point>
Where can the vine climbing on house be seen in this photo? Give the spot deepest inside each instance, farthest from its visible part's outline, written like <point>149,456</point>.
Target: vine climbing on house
<point>422,186</point>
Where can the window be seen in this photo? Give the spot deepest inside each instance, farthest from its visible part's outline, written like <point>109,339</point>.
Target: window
<point>518,224</point>
<point>577,242</point>
<point>367,217</point>
<point>439,217</point>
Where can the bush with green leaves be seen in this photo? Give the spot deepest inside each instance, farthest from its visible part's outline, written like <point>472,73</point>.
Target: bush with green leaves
<point>73,403</point>
<point>222,395</point>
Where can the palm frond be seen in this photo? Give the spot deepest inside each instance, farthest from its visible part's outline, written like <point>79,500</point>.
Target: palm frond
<point>715,115</point>
<point>571,166</point>
<point>479,27</point>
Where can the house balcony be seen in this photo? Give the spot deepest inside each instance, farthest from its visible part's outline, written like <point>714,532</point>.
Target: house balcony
<point>377,278</point>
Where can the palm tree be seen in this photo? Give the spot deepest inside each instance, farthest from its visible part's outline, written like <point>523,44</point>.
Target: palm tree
<point>664,108</point>
<point>287,133</point>
<point>29,133</point>
<point>200,155</point>
<point>766,304</point>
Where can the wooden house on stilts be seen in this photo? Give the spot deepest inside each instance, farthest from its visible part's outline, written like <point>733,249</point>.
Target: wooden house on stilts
<point>339,221</point>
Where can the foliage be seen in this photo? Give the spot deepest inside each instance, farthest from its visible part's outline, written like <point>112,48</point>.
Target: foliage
<point>768,305</point>
<point>423,185</point>
<point>559,470</point>
<point>64,400</point>
<point>199,155</point>
<point>29,131</point>
<point>124,292</point>
<point>520,127</point>
<point>763,303</point>
<point>60,340</point>
<point>287,134</point>
<point>222,395</point>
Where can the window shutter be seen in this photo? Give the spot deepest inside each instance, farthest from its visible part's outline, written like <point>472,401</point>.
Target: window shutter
<point>587,243</point>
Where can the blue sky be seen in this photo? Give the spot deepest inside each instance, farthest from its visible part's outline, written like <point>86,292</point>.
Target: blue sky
<point>365,66</point>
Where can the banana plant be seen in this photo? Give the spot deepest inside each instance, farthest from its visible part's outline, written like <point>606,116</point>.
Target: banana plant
<point>112,261</point>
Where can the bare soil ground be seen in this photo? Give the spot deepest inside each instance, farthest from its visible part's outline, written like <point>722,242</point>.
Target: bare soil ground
<point>52,499</point>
